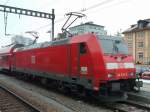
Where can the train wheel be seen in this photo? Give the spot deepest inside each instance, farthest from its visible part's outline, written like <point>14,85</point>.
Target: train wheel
<point>137,88</point>
<point>44,81</point>
<point>60,86</point>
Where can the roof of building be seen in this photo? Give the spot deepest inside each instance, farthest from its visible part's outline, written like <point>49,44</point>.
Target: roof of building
<point>87,23</point>
<point>141,25</point>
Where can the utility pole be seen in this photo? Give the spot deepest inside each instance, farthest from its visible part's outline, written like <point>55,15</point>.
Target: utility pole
<point>27,12</point>
<point>53,13</point>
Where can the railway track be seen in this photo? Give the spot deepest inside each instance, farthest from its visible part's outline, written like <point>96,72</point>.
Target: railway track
<point>141,105</point>
<point>10,102</point>
<point>74,104</point>
<point>128,106</point>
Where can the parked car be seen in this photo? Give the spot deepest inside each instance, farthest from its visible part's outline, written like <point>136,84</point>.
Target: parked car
<point>146,75</point>
<point>141,70</point>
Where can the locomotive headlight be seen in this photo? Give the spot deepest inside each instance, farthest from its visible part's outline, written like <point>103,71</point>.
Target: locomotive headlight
<point>129,65</point>
<point>110,75</point>
<point>111,65</point>
<point>131,74</point>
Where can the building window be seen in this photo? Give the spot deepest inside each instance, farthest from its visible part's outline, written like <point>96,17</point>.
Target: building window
<point>141,34</point>
<point>129,44</point>
<point>140,54</point>
<point>140,44</point>
<point>129,36</point>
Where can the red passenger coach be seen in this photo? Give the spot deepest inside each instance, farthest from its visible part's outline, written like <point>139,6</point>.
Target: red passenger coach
<point>5,57</point>
<point>85,63</point>
<point>6,54</point>
<point>5,61</point>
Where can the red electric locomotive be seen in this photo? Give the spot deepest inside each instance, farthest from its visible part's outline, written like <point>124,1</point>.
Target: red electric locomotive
<point>87,63</point>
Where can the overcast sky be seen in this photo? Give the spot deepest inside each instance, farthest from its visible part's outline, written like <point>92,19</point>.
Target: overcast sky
<point>115,15</point>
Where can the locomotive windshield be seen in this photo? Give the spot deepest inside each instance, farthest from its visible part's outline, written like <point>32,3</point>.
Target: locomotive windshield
<point>113,46</point>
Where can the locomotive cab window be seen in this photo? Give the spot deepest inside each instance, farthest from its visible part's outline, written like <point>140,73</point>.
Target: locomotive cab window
<point>83,49</point>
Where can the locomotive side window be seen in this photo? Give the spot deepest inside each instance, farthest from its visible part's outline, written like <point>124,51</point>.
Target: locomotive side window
<point>83,49</point>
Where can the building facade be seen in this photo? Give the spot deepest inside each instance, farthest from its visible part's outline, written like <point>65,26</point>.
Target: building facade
<point>88,27</point>
<point>137,38</point>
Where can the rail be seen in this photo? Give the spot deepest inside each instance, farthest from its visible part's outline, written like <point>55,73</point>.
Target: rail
<point>35,109</point>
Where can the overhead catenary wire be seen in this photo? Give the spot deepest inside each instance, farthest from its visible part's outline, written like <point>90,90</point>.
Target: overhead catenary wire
<point>21,11</point>
<point>41,27</point>
<point>5,19</point>
<point>100,4</point>
<point>82,10</point>
<point>111,5</point>
<point>96,5</point>
<point>6,2</point>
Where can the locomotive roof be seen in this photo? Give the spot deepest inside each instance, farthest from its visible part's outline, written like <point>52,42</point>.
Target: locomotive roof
<point>107,37</point>
<point>8,49</point>
<point>59,42</point>
<point>44,44</point>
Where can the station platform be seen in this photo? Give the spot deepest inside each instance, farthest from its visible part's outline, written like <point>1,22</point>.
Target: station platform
<point>144,94</point>
<point>146,85</point>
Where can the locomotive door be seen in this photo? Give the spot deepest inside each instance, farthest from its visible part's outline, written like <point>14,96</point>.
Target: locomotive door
<point>84,61</point>
<point>74,60</point>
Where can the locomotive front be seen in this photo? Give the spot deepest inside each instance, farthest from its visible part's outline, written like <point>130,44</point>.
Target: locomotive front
<point>120,71</point>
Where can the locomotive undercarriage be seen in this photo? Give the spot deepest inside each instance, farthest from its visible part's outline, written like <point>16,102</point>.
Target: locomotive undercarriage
<point>117,90</point>
<point>120,85</point>
<point>109,91</point>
